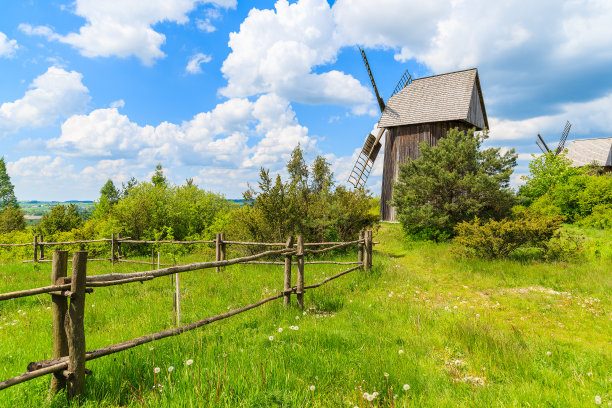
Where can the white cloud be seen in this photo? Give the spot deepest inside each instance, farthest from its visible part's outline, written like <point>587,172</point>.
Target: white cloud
<point>195,62</point>
<point>7,47</point>
<point>54,94</point>
<point>277,50</point>
<point>122,29</point>
<point>117,104</point>
<point>39,167</point>
<point>589,118</point>
<point>237,134</point>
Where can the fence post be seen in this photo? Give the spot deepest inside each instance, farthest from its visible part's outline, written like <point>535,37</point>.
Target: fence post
<point>74,325</point>
<point>300,277</point>
<point>287,285</point>
<point>42,248</point>
<point>59,305</point>
<point>222,238</point>
<point>368,250</point>
<point>360,247</point>
<point>177,298</point>
<point>112,248</point>
<point>119,252</point>
<point>35,244</point>
<point>218,250</point>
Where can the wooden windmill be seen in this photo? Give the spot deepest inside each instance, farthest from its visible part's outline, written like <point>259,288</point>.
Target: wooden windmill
<point>419,110</point>
<point>544,147</point>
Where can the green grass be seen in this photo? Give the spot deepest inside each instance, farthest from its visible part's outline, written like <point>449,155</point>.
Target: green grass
<point>473,333</point>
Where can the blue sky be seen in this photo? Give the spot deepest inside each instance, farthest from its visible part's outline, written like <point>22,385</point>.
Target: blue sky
<point>214,90</point>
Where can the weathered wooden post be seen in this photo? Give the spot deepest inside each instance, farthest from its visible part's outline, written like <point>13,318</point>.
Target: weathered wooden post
<point>300,277</point>
<point>119,252</point>
<point>177,297</point>
<point>35,245</point>
<point>74,325</point>
<point>222,239</point>
<point>59,306</point>
<point>368,250</point>
<point>42,247</point>
<point>360,247</point>
<point>112,249</point>
<point>218,250</point>
<point>287,285</point>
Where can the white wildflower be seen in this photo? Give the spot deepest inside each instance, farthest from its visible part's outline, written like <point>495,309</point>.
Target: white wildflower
<point>170,369</point>
<point>375,394</point>
<point>400,352</point>
<point>598,400</point>
<point>156,370</point>
<point>312,388</point>
<point>386,374</point>
<point>548,353</point>
<point>271,338</point>
<point>297,317</point>
<point>370,397</point>
<point>189,362</point>
<point>406,387</point>
<point>280,329</point>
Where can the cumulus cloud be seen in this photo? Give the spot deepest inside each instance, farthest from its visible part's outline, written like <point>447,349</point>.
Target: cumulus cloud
<point>32,167</point>
<point>277,50</point>
<point>236,134</point>
<point>195,62</point>
<point>54,94</point>
<point>7,47</point>
<point>122,29</point>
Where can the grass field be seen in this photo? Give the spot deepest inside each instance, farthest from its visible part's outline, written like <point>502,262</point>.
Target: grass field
<point>457,332</point>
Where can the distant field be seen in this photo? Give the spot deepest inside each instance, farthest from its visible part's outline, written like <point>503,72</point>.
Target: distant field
<point>423,329</point>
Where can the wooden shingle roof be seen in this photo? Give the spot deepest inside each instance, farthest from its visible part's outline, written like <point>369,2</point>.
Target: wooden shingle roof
<point>587,151</point>
<point>445,97</point>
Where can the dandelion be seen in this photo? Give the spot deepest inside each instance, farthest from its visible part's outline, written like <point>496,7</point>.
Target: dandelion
<point>280,329</point>
<point>406,387</point>
<point>386,374</point>
<point>48,307</point>
<point>598,400</point>
<point>189,362</point>
<point>375,394</point>
<point>312,388</point>
<point>477,315</point>
<point>152,348</point>
<point>297,317</point>
<point>170,369</point>
<point>271,338</point>
<point>156,370</point>
<point>548,353</point>
<point>590,374</point>
<point>400,352</point>
<point>19,311</point>
<point>304,313</point>
<point>370,397</point>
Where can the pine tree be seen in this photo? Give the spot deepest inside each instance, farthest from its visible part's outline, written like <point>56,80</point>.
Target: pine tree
<point>158,178</point>
<point>7,189</point>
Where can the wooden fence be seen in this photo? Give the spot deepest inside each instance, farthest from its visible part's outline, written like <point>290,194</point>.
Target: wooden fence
<point>69,348</point>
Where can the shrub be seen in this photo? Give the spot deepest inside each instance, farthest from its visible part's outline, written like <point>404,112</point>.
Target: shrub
<point>600,217</point>
<point>497,239</point>
<point>11,219</point>
<point>453,182</point>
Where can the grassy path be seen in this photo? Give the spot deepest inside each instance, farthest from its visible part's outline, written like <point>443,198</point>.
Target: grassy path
<point>457,332</point>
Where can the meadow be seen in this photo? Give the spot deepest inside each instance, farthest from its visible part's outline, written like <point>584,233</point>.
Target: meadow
<point>424,328</point>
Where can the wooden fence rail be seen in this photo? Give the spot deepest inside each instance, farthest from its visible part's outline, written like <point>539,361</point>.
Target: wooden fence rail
<point>69,353</point>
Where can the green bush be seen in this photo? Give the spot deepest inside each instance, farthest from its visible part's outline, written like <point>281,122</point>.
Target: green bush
<point>452,182</point>
<point>600,218</point>
<point>498,239</point>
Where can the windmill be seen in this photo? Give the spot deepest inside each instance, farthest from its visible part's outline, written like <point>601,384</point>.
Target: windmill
<point>371,147</point>
<point>542,144</point>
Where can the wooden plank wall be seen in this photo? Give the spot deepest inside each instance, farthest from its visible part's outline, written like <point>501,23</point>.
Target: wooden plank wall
<point>401,143</point>
<point>475,114</point>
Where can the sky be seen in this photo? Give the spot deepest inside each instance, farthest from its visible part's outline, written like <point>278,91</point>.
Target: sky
<point>216,89</point>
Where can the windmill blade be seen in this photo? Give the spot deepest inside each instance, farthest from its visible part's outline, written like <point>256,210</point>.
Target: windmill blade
<point>405,80</point>
<point>566,130</point>
<point>381,102</point>
<point>542,144</point>
<point>365,161</point>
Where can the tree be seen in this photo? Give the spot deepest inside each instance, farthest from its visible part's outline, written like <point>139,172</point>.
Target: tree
<point>7,190</point>
<point>110,192</point>
<point>61,218</point>
<point>545,173</point>
<point>453,182</point>
<point>11,219</point>
<point>298,169</point>
<point>322,177</point>
<point>127,187</point>
<point>158,179</point>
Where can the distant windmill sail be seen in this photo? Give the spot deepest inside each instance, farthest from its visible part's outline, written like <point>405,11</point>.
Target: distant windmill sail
<point>566,130</point>
<point>544,147</point>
